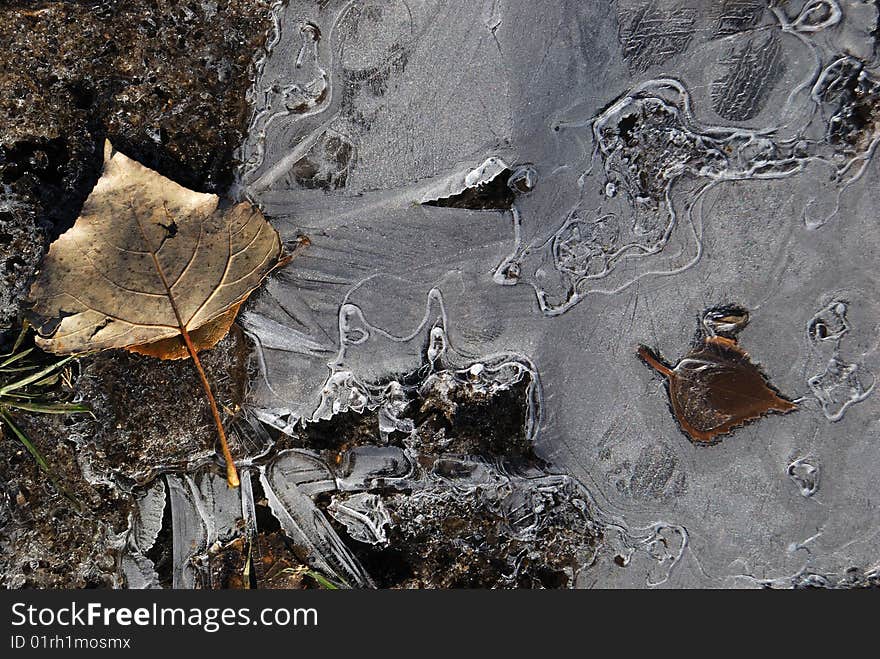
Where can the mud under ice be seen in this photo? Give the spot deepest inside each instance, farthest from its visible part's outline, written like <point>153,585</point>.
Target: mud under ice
<point>432,481</point>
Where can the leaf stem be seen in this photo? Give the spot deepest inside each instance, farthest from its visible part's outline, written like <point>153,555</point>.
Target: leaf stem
<point>647,355</point>
<point>231,472</point>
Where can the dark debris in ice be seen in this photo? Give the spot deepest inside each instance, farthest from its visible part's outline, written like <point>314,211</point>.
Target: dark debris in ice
<point>459,500</point>
<point>433,482</point>
<point>446,420</point>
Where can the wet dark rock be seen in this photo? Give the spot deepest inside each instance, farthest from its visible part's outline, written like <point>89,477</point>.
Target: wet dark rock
<point>166,81</point>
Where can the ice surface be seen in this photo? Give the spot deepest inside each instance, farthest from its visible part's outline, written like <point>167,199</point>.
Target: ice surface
<point>364,516</point>
<point>304,523</point>
<point>139,572</point>
<point>189,533</point>
<point>145,525</point>
<point>204,511</point>
<point>148,522</point>
<point>678,155</point>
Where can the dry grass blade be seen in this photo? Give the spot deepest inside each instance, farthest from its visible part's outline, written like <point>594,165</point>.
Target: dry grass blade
<point>37,378</point>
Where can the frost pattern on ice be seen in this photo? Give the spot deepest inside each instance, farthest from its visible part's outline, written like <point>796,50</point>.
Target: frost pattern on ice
<point>295,477</point>
<point>842,383</point>
<point>629,193</point>
<point>306,525</point>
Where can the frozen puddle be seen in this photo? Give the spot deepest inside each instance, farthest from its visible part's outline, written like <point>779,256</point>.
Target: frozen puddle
<point>495,217</point>
<point>427,480</point>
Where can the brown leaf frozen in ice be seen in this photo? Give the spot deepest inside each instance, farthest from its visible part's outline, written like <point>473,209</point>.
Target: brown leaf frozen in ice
<point>716,388</point>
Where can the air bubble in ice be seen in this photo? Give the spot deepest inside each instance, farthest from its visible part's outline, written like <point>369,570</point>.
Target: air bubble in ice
<point>804,472</point>
<point>364,516</point>
<point>841,385</point>
<point>830,323</point>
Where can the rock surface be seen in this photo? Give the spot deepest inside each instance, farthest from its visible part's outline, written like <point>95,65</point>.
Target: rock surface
<point>166,81</point>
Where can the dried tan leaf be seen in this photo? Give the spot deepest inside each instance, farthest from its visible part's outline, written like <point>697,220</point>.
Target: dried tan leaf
<point>152,267</point>
<point>206,336</point>
<point>145,259</point>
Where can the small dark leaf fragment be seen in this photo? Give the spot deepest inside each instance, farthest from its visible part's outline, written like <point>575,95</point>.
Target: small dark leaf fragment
<point>716,388</point>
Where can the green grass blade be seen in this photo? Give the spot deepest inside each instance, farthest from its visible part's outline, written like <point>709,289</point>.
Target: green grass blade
<point>26,442</point>
<point>34,377</point>
<point>323,581</point>
<point>41,462</point>
<point>49,408</point>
